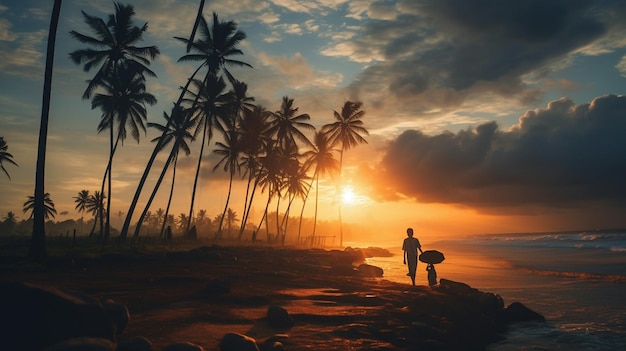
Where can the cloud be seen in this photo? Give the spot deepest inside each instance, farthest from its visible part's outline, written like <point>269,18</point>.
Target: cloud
<point>565,155</point>
<point>443,53</point>
<point>621,66</point>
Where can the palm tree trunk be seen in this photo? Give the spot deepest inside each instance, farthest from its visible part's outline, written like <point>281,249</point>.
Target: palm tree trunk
<point>195,181</point>
<point>244,221</point>
<point>169,200</point>
<point>230,186</point>
<point>317,192</point>
<point>245,205</point>
<point>285,221</point>
<point>107,227</point>
<point>339,200</point>
<point>267,205</point>
<point>107,173</point>
<point>37,250</point>
<point>304,204</point>
<point>154,191</point>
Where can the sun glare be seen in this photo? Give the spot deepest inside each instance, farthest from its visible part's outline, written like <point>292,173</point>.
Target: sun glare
<point>347,195</point>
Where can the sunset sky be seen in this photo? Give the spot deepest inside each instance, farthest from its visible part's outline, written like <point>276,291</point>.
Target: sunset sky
<point>484,116</point>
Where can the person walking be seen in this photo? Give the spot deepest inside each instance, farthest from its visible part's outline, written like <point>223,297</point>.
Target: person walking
<point>410,246</point>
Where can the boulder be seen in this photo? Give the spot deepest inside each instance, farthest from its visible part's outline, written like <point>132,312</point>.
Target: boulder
<point>238,342</point>
<point>83,344</point>
<point>518,312</point>
<point>183,346</point>
<point>368,270</point>
<point>118,313</point>
<point>137,343</point>
<point>278,317</point>
<point>35,317</point>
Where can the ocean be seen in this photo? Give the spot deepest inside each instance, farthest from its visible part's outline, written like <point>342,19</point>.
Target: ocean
<point>577,280</point>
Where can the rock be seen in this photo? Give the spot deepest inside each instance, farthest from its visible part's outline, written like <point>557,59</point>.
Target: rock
<point>183,346</point>
<point>83,344</point>
<point>238,342</point>
<point>518,312</point>
<point>278,317</point>
<point>35,317</point>
<point>137,343</point>
<point>274,343</point>
<point>118,313</point>
<point>455,286</point>
<point>368,270</point>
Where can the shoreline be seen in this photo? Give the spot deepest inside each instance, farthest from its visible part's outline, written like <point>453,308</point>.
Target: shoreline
<point>203,294</point>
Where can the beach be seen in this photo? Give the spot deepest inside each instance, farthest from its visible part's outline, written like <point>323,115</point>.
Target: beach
<point>202,295</point>
<point>577,280</point>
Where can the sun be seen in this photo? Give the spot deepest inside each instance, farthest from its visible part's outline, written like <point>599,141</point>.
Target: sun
<point>348,196</point>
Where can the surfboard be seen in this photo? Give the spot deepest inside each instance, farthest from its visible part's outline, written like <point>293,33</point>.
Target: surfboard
<point>431,256</point>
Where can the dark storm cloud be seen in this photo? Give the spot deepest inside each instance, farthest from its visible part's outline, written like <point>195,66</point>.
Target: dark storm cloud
<point>459,44</point>
<point>564,155</point>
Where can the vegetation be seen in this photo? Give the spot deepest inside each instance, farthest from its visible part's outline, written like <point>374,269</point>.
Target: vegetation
<point>5,156</point>
<point>278,155</point>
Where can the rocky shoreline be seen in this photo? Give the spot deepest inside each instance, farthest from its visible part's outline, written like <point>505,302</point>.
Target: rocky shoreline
<point>241,298</point>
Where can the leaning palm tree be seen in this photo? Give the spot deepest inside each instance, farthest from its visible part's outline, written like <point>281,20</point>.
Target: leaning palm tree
<point>81,205</point>
<point>178,129</point>
<point>323,159</point>
<point>115,50</point>
<point>38,240</point>
<point>348,131</point>
<point>5,156</point>
<point>49,211</point>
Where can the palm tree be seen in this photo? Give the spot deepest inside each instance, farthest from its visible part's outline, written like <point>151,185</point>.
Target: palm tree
<point>122,68</point>
<point>231,219</point>
<point>216,45</point>
<point>9,222</point>
<point>178,129</point>
<point>81,205</point>
<point>124,99</point>
<point>38,241</point>
<point>230,150</point>
<point>5,156</point>
<point>209,105</point>
<point>214,49</point>
<point>269,177</point>
<point>287,124</point>
<point>323,159</point>
<point>49,211</point>
<point>348,131</point>
<point>95,206</point>
<point>115,46</point>
<point>253,127</point>
<point>297,187</point>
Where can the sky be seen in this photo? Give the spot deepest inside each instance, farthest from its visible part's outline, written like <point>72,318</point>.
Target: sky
<point>483,116</point>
